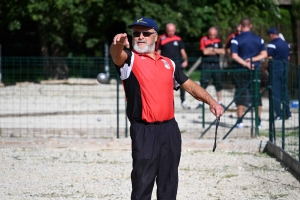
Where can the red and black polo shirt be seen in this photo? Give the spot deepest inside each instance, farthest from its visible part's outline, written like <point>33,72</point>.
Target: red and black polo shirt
<point>149,87</point>
<point>228,42</point>
<point>215,43</point>
<point>170,47</point>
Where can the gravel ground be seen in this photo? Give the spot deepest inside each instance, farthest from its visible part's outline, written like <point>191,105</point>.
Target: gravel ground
<point>38,163</point>
<point>101,170</point>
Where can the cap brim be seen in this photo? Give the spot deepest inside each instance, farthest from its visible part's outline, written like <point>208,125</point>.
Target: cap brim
<point>132,25</point>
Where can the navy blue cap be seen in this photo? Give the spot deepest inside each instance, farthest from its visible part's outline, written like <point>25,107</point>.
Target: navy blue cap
<point>272,31</point>
<point>143,21</point>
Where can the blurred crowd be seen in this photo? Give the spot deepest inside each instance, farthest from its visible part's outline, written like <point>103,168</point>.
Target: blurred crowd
<point>247,51</point>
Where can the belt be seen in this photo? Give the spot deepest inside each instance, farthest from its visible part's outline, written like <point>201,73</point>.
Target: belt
<point>211,62</point>
<point>152,123</point>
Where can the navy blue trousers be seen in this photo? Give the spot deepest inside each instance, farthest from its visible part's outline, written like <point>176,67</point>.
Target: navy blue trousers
<point>280,94</point>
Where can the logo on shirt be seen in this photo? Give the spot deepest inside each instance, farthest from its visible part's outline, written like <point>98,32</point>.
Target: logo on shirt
<point>216,45</point>
<point>175,43</point>
<point>166,64</point>
<point>143,58</point>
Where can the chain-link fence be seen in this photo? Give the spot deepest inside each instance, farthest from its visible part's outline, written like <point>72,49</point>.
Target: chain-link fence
<point>284,106</point>
<point>60,97</point>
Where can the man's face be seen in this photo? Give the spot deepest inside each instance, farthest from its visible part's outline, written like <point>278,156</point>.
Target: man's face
<point>170,30</point>
<point>271,36</point>
<point>212,34</point>
<point>238,30</point>
<point>143,39</point>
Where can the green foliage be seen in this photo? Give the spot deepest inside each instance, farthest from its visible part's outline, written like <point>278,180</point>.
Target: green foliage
<point>77,27</point>
<point>296,9</point>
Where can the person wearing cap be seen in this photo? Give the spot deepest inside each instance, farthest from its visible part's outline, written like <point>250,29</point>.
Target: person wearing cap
<point>278,51</point>
<point>149,80</point>
<point>170,45</point>
<point>211,48</point>
<point>247,50</point>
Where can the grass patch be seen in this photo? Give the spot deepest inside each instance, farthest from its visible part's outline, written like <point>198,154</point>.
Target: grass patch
<point>239,153</point>
<point>230,175</point>
<point>279,134</point>
<point>195,76</point>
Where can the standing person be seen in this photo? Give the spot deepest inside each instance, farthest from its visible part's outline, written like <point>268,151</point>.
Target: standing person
<point>148,80</point>
<point>245,47</point>
<point>233,35</point>
<point>278,51</point>
<point>171,46</point>
<point>211,48</point>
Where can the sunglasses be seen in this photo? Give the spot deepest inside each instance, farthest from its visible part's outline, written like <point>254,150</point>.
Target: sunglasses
<point>145,33</point>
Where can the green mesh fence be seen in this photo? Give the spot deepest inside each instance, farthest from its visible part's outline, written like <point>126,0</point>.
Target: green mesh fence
<point>284,131</point>
<point>60,97</point>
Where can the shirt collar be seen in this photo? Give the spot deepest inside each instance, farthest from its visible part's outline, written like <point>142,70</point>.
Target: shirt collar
<point>157,56</point>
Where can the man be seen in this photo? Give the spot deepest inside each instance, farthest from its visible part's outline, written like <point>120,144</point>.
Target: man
<point>171,46</point>
<point>244,48</point>
<point>233,35</point>
<point>278,51</point>
<point>148,80</point>
<point>211,48</point>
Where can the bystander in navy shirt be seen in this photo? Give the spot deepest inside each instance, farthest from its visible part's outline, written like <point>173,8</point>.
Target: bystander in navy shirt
<point>247,45</point>
<point>279,50</point>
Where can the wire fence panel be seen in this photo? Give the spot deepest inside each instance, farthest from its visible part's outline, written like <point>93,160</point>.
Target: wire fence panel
<point>285,133</point>
<point>42,100</point>
<point>60,97</point>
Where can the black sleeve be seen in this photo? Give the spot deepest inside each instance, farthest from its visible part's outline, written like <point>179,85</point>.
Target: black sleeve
<point>179,78</point>
<point>181,45</point>
<point>228,44</point>
<point>220,45</point>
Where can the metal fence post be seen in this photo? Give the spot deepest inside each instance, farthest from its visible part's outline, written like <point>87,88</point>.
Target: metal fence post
<point>256,99</point>
<point>283,102</point>
<point>0,65</point>
<point>126,123</point>
<point>298,114</point>
<point>118,107</point>
<point>271,112</point>
<point>252,104</point>
<point>203,112</point>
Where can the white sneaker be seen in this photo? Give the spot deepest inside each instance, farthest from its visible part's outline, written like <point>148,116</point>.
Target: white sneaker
<point>199,106</point>
<point>260,126</point>
<point>240,125</point>
<point>185,105</point>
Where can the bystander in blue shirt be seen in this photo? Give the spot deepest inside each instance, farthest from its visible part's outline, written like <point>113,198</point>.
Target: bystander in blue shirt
<point>278,51</point>
<point>247,45</point>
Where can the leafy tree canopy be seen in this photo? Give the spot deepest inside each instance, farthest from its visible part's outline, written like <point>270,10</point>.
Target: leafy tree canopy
<point>81,27</point>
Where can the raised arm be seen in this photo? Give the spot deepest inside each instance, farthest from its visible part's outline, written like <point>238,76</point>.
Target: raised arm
<point>116,49</point>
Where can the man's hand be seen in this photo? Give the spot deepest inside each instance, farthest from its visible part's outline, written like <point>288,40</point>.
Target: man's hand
<point>216,109</point>
<point>209,51</point>
<point>121,39</point>
<point>248,64</point>
<point>184,64</point>
<point>116,51</point>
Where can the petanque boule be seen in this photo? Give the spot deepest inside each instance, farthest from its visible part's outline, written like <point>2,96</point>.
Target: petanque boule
<point>102,78</point>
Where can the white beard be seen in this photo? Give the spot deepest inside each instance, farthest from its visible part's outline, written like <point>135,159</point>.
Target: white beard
<point>146,49</point>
